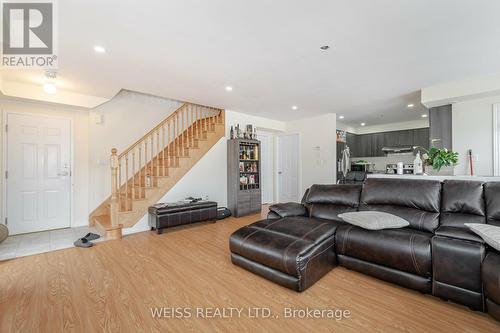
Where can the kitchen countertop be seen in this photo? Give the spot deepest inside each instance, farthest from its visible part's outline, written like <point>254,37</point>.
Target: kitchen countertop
<point>441,178</point>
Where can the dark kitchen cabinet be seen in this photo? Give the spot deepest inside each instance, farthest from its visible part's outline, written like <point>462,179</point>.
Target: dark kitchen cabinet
<point>421,137</point>
<point>390,139</point>
<point>365,145</point>
<point>370,145</point>
<point>351,141</point>
<point>405,138</point>
<point>377,144</point>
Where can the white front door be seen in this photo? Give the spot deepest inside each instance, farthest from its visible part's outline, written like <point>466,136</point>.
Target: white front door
<point>38,173</point>
<point>266,165</point>
<point>288,168</point>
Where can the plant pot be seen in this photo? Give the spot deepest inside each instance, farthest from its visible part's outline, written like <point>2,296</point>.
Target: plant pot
<point>445,171</point>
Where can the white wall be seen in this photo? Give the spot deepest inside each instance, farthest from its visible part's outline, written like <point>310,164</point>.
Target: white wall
<point>472,127</point>
<point>80,147</point>
<point>125,119</point>
<point>317,148</point>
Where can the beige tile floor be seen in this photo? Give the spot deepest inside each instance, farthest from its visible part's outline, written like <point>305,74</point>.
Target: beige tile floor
<point>39,242</point>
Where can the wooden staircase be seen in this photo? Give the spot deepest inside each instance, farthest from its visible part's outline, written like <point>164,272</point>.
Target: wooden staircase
<point>148,169</point>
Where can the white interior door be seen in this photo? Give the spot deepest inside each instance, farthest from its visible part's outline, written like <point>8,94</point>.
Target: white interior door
<point>266,165</point>
<point>288,168</point>
<point>38,173</point>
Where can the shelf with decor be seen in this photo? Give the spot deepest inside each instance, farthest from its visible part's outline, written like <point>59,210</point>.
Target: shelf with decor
<point>244,176</point>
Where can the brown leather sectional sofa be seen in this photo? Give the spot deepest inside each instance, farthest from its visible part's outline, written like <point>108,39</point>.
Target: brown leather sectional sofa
<point>437,254</point>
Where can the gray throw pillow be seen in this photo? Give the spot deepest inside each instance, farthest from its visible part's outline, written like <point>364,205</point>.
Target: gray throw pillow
<point>373,220</point>
<point>489,233</point>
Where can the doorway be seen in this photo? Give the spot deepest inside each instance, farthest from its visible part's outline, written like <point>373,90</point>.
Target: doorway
<point>37,173</point>
<point>288,167</point>
<point>267,165</point>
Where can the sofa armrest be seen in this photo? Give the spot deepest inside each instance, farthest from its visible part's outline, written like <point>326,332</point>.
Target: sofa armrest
<point>462,233</point>
<point>288,209</point>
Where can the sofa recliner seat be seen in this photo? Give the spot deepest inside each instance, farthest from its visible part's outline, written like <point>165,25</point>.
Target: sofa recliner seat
<point>457,252</point>
<point>401,256</point>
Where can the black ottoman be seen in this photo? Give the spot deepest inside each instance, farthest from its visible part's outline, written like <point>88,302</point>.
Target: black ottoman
<point>491,283</point>
<point>166,215</point>
<point>294,252</point>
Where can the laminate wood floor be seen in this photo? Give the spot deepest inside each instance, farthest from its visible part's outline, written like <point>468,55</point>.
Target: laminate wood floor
<point>113,286</point>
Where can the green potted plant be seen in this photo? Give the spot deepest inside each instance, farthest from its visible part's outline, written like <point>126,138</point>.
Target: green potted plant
<point>439,158</point>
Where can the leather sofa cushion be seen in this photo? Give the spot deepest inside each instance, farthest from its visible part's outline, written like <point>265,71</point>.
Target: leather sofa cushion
<point>419,219</point>
<point>344,195</point>
<point>285,244</point>
<point>462,196</point>
<point>462,233</point>
<point>417,194</point>
<point>404,249</point>
<point>492,199</point>
<point>491,276</point>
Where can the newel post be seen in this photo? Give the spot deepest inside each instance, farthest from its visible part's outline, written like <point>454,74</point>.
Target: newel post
<point>114,187</point>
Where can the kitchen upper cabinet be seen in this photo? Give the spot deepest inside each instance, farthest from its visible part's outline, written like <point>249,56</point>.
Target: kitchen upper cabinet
<point>421,137</point>
<point>377,144</point>
<point>405,138</point>
<point>370,145</point>
<point>365,145</point>
<point>351,142</point>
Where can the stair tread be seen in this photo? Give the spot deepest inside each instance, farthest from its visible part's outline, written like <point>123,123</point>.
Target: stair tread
<point>105,222</point>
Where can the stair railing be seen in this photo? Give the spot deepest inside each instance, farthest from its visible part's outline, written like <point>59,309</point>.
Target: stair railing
<point>140,166</point>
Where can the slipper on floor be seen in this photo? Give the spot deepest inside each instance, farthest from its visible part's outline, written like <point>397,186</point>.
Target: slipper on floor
<point>83,242</point>
<point>91,236</point>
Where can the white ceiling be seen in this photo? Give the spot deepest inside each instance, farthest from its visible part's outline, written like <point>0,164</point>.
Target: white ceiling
<point>382,52</point>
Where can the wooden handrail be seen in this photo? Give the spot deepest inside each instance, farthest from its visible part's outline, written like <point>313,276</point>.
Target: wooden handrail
<point>126,151</point>
<point>157,127</point>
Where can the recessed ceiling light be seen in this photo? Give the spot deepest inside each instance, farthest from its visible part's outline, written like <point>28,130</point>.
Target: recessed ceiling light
<point>410,105</point>
<point>324,47</point>
<point>229,88</point>
<point>50,87</point>
<point>424,116</point>
<point>363,124</point>
<point>341,117</point>
<point>295,107</point>
<point>99,49</point>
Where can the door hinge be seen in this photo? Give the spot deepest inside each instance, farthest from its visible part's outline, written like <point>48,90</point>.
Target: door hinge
<point>6,221</point>
<point>6,127</point>
<point>6,174</point>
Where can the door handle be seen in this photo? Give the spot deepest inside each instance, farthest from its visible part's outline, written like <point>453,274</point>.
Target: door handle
<point>279,172</point>
<point>63,173</point>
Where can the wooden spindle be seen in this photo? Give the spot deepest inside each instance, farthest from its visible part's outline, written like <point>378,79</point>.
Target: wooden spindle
<point>181,119</point>
<point>164,160</point>
<point>114,204</point>
<point>134,189</point>
<point>141,172</point>
<point>168,144</point>
<point>126,183</point>
<point>120,201</point>
<point>151,166</point>
<point>158,153</point>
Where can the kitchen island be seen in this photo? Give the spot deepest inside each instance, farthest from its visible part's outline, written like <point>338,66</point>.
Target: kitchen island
<point>433,177</point>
